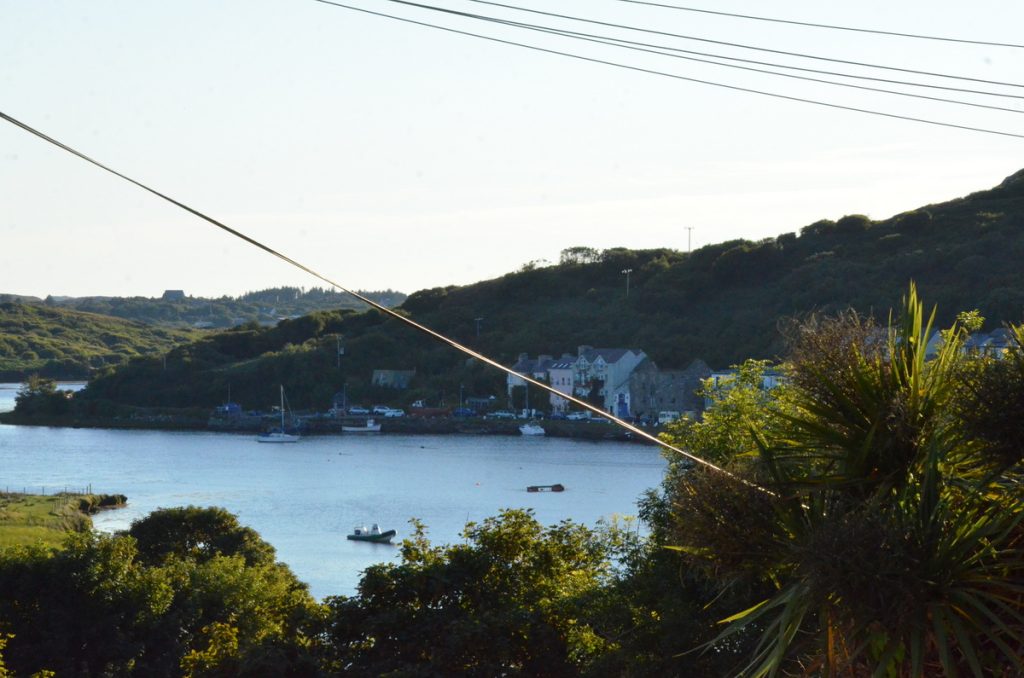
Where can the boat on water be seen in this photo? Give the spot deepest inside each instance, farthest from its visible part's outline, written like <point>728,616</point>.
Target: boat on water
<point>279,435</point>
<point>371,426</point>
<point>557,487</point>
<point>531,428</point>
<point>373,534</point>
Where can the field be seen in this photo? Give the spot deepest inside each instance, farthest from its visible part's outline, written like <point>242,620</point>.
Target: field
<point>46,519</point>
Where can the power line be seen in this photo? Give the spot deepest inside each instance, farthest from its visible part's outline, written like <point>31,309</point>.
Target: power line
<point>774,64</point>
<point>809,24</point>
<point>675,76</point>
<point>800,55</point>
<point>656,49</point>
<point>380,307</point>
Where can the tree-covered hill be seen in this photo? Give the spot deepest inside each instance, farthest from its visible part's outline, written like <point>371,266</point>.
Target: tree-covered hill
<point>176,309</point>
<point>722,303</point>
<point>67,344</point>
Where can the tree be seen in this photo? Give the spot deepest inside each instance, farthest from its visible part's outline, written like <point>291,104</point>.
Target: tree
<point>39,396</point>
<point>98,607</point>
<point>579,255</point>
<point>507,601</point>
<point>890,529</point>
<point>198,534</point>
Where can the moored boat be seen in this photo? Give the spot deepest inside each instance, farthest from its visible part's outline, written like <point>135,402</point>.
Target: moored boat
<point>373,534</point>
<point>531,429</point>
<point>278,435</point>
<point>557,487</point>
<point>371,426</point>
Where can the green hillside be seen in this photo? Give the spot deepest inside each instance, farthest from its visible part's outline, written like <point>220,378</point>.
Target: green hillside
<point>66,344</point>
<point>175,309</point>
<point>722,303</point>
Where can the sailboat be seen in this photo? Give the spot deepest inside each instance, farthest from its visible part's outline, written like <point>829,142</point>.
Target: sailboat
<point>532,427</point>
<point>278,435</point>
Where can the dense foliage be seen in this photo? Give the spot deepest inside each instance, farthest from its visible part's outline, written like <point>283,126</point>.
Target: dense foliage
<point>722,303</point>
<point>71,345</point>
<point>120,605</point>
<point>882,515</point>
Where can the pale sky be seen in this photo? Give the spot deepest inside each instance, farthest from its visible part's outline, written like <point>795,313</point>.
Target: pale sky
<point>391,155</point>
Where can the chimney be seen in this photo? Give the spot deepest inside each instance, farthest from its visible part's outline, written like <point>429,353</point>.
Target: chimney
<point>580,350</point>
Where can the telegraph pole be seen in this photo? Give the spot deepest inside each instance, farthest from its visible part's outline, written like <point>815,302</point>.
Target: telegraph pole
<point>689,238</point>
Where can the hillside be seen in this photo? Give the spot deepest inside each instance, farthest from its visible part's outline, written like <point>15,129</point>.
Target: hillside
<point>175,309</point>
<point>722,303</point>
<point>66,344</point>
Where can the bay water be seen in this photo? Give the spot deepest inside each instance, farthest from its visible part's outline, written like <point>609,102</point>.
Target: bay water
<point>303,498</point>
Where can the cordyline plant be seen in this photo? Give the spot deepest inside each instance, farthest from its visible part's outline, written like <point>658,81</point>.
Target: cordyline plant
<point>891,535</point>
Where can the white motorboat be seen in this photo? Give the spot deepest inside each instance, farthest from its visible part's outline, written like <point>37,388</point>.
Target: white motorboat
<point>531,429</point>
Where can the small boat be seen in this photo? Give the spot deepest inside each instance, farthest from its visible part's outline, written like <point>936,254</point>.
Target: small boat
<point>531,429</point>
<point>371,426</point>
<point>557,487</point>
<point>373,534</point>
<point>278,435</point>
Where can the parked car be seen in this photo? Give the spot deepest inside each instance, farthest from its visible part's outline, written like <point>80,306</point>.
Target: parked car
<point>464,412</point>
<point>380,409</point>
<point>500,414</point>
<point>391,412</point>
<point>599,420</point>
<point>578,416</point>
<point>358,410</point>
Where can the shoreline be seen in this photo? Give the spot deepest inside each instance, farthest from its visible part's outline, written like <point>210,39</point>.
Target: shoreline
<point>315,426</point>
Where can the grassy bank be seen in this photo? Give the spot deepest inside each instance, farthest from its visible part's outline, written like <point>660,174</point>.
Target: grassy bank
<point>33,518</point>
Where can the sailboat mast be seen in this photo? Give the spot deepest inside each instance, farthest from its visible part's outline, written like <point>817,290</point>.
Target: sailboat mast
<point>282,408</point>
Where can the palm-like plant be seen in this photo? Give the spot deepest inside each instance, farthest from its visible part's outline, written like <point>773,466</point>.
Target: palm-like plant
<point>890,552</point>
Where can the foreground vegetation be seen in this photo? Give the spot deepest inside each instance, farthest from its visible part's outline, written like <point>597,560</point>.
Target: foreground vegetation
<point>721,303</point>
<point>869,524</point>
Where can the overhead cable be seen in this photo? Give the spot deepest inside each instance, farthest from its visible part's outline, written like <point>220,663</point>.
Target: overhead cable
<point>674,76</point>
<point>667,51</point>
<point>800,55</point>
<point>384,309</point>
<point>775,64</point>
<point>917,36</point>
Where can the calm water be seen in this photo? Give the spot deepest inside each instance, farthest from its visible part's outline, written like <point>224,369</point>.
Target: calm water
<point>304,497</point>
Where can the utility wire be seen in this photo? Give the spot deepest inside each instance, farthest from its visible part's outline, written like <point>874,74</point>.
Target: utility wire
<point>384,309</point>
<point>774,64</point>
<point>809,24</point>
<point>674,76</point>
<point>736,44</point>
<point>657,49</point>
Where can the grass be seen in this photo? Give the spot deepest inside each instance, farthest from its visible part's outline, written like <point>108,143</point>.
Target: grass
<point>31,518</point>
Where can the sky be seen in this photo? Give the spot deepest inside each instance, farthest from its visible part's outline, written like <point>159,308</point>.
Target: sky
<point>389,155</point>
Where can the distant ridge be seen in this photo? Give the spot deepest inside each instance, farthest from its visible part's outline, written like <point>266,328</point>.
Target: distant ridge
<point>722,303</point>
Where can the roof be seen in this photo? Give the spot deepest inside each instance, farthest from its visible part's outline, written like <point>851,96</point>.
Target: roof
<point>610,355</point>
<point>527,365</point>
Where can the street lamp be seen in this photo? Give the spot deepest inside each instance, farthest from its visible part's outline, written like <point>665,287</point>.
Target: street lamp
<point>478,321</point>
<point>626,272</point>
